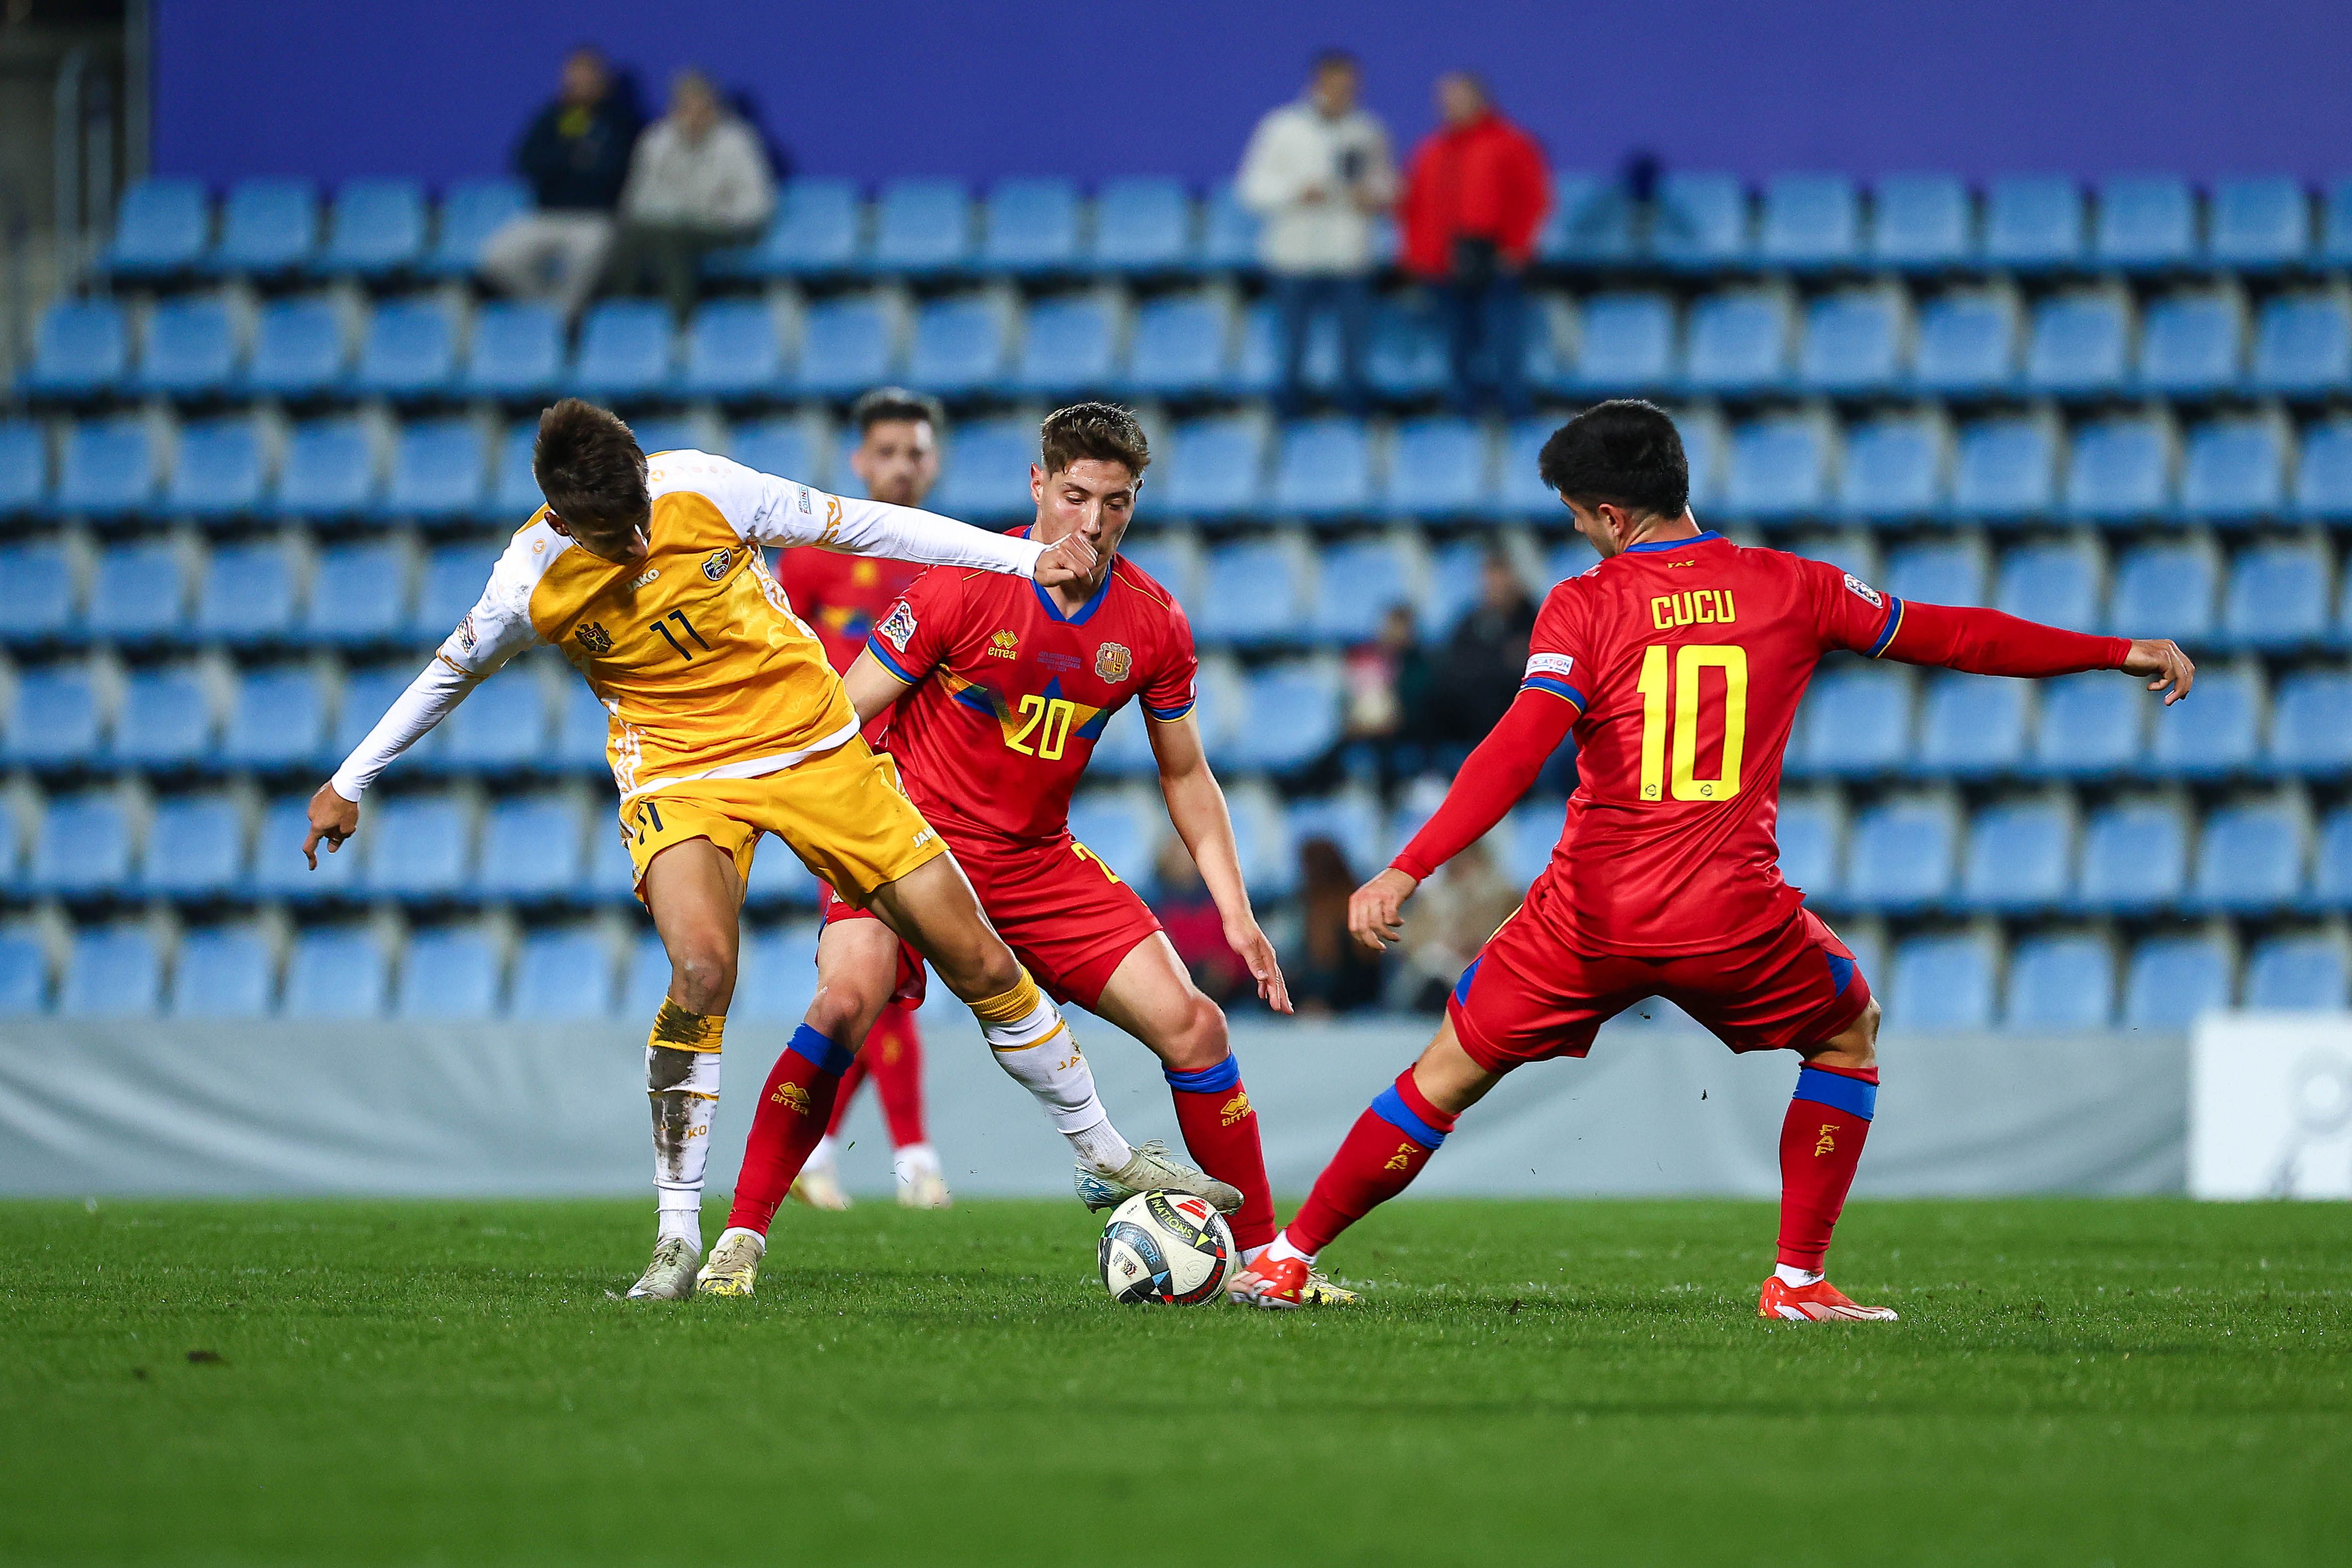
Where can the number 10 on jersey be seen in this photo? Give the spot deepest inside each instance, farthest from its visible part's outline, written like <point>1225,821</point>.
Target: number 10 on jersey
<point>1678,727</point>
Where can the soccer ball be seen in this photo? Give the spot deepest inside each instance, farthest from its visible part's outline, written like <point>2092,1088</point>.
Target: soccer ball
<point>1166,1246</point>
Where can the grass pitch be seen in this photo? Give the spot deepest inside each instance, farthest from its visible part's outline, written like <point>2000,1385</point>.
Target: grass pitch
<point>2073,1383</point>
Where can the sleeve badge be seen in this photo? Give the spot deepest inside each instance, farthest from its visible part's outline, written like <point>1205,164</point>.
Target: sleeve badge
<point>1862,590</point>
<point>898,626</point>
<point>1558,664</point>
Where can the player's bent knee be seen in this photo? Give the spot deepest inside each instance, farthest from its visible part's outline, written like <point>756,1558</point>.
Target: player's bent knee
<point>1204,1039</point>
<point>702,976</point>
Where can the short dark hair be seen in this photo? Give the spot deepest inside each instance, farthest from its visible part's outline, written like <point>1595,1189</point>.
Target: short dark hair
<point>590,467</point>
<point>1336,60</point>
<point>888,405</point>
<point>1103,431</point>
<point>1624,451</point>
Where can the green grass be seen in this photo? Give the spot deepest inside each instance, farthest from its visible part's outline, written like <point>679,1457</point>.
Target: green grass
<point>2073,1383</point>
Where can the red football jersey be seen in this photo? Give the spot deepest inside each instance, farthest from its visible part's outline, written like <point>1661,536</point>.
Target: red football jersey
<point>841,596</point>
<point>1686,658</point>
<point>1010,697</point>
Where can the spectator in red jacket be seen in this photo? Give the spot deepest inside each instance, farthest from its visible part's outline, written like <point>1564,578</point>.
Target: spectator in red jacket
<point>1474,200</point>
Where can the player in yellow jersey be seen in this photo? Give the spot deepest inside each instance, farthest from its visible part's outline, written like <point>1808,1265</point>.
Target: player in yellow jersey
<point>726,722</point>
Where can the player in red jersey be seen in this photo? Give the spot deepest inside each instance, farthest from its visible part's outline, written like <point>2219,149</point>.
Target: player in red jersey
<point>997,701</point>
<point>841,596</point>
<point>1678,661</point>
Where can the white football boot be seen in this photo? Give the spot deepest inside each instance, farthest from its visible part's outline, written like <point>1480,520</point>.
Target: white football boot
<point>734,1266</point>
<point>1149,1170</point>
<point>670,1275</point>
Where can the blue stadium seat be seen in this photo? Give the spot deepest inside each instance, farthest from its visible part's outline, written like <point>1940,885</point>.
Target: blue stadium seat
<point>54,716</point>
<point>278,869</point>
<point>2091,726</point>
<point>2055,583</point>
<point>80,346</point>
<point>1701,221</point>
<point>514,489</point>
<point>222,973</point>
<point>1943,983</point>
<point>472,211</point>
<point>626,350</point>
<point>109,467</point>
<point>1257,364</point>
<point>1937,574</point>
<point>2303,343</point>
<point>1894,468</point>
<point>2120,469</point>
<point>1357,584</point>
<point>816,231</point>
<point>24,466</point>
<point>1626,344</point>
<point>1142,224</point>
<point>1250,595</point>
<point>1856,721</point>
<point>563,976</point>
<point>1067,347</point>
<point>1170,560</point>
<point>1351,820</point>
<point>219,470</point>
<point>1973,726</point>
<point>1323,469</point>
<point>2172,980</point>
<point>2217,734</point>
<point>776,974</point>
<point>451,973</point>
<point>2164,590</point>
<point>1437,467</point>
<point>779,446</point>
<point>336,972</point>
<point>2299,973</point>
<point>581,729</point>
<point>644,975</point>
<point>517,351</point>
<point>732,351</point>
<point>377,227</point>
<point>1779,468</point>
<point>1591,220</point>
<point>246,596</point>
<point>359,595</point>
<point>2323,475</point>
<point>1293,720</point>
<point>113,972</point>
<point>2264,221</point>
<point>1738,343</point>
<point>985,474</point>
<point>83,847</point>
<point>195,847</point>
<point>1031,225</point>
<point>410,349</point>
<point>2062,982</point>
<point>300,347</point>
<point>1968,342</point>
<point>2331,864</point>
<point>2146,222</point>
<point>1228,230</point>
<point>2079,343</point>
<point>140,594</point>
<point>2336,223</point>
<point>165,720</point>
<point>2033,221</point>
<point>276,719</point>
<point>921,225</point>
<point>452,583</point>
<point>162,226</point>
<point>1519,490</point>
<point>958,346</point>
<point>2135,859</point>
<point>2235,472</point>
<point>40,601</point>
<point>1810,220</point>
<point>1215,467</point>
<point>24,976</point>
<point>1406,357</point>
<point>2191,343</point>
<point>1852,343</point>
<point>503,725</point>
<point>533,847</point>
<point>266,225</point>
<point>1900,856</point>
<point>1180,344</point>
<point>330,469</point>
<point>190,347</point>
<point>2020,857</point>
<point>366,694</point>
<point>845,346</point>
<point>2279,595</point>
<point>1921,221</point>
<point>610,875</point>
<point>439,469</point>
<point>2249,858</point>
<point>1808,832</point>
<point>2311,723</point>
<point>424,846</point>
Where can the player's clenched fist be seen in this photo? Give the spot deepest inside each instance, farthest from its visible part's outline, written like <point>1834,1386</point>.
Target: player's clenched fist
<point>1373,909</point>
<point>2161,657</point>
<point>332,820</point>
<point>1069,560</point>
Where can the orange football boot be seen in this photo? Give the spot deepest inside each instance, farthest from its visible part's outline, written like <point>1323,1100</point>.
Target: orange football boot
<point>1278,1283</point>
<point>1819,1302</point>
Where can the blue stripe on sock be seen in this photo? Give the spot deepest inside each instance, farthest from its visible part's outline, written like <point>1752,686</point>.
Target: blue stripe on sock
<point>1837,1091</point>
<point>821,1051</point>
<point>1391,1108</point>
<point>1208,1080</point>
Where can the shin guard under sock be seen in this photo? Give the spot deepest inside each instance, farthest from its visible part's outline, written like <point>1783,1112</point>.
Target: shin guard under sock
<point>1821,1144</point>
<point>795,1106</point>
<point>1219,1128</point>
<point>1383,1153</point>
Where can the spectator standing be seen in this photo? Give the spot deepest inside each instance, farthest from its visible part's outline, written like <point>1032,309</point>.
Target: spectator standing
<point>575,155</point>
<point>1316,172</point>
<point>1474,198</point>
<point>1339,974</point>
<point>1388,697</point>
<point>699,181</point>
<point>1479,669</point>
<point>1451,920</point>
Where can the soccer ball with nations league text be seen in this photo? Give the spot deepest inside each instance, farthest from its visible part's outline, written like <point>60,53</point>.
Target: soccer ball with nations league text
<point>1169,1248</point>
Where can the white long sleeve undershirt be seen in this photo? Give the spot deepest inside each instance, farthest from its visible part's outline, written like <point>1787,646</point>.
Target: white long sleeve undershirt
<point>428,701</point>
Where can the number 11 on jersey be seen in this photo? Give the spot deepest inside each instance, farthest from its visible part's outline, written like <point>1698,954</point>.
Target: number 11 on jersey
<point>1659,733</point>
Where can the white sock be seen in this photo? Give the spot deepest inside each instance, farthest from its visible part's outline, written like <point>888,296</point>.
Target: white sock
<point>914,1161</point>
<point>1280,1248</point>
<point>684,1088</point>
<point>1042,1055</point>
<point>1790,1274</point>
<point>821,1157</point>
<point>1101,1146</point>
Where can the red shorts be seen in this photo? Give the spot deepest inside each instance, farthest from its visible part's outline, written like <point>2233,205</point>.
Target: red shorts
<point>1529,996</point>
<point>913,981</point>
<point>1068,917</point>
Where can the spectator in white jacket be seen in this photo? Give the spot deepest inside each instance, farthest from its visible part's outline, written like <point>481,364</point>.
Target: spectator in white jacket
<point>698,181</point>
<point>1316,173</point>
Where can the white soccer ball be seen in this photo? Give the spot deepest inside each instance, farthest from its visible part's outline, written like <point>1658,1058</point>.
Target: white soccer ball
<point>1166,1246</point>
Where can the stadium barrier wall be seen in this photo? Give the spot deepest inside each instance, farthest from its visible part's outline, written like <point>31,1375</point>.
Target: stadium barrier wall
<point>2270,1106</point>
<point>275,1107</point>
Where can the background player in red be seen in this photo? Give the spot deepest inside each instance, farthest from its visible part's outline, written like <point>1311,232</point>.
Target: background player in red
<point>1678,662</point>
<point>997,701</point>
<point>841,596</point>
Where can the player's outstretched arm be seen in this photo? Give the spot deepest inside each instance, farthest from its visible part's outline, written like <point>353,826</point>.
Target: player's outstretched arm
<point>335,808</point>
<point>767,510</point>
<point>1987,642</point>
<point>1196,804</point>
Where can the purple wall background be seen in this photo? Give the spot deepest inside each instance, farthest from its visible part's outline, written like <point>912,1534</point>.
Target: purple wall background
<point>439,88</point>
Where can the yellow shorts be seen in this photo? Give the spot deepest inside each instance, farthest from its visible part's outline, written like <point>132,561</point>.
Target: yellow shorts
<point>842,812</point>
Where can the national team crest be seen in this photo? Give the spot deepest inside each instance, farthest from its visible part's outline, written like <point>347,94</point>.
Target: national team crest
<point>715,565</point>
<point>594,637</point>
<point>1112,661</point>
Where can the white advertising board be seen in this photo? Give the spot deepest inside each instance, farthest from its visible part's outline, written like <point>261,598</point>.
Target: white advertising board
<point>2270,1106</point>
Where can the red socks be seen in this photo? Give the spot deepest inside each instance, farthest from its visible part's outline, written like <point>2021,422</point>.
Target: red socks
<point>1383,1153</point>
<point>795,1107</point>
<point>1220,1129</point>
<point>1821,1144</point>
